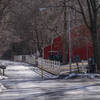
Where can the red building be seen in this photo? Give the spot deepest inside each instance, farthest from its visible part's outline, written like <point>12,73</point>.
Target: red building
<point>81,44</point>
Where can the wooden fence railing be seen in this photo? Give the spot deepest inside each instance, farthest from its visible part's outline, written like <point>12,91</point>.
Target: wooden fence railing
<point>50,66</point>
<point>53,67</point>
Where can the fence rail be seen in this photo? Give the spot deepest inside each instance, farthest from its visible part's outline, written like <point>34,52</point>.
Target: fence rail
<point>53,67</point>
<point>50,66</point>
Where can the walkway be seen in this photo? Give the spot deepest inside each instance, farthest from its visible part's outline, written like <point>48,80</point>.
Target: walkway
<point>25,84</point>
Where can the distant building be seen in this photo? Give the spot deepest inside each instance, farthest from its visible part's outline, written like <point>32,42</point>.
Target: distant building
<point>81,45</point>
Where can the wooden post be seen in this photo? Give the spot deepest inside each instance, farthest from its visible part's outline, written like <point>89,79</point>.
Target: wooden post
<point>59,68</point>
<point>0,71</point>
<point>83,71</point>
<point>3,72</point>
<point>77,66</point>
<point>42,69</point>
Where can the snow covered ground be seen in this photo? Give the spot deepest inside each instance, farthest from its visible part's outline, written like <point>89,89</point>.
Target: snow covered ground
<point>24,83</point>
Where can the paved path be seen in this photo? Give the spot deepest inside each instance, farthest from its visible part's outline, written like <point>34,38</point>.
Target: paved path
<point>19,83</point>
<point>25,84</point>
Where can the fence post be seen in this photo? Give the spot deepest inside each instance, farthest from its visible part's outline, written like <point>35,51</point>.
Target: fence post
<point>83,66</point>
<point>59,68</point>
<point>3,72</point>
<point>42,68</point>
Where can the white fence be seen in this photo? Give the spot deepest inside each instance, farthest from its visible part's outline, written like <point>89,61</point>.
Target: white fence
<point>30,59</point>
<point>52,67</point>
<point>25,58</point>
<point>18,58</point>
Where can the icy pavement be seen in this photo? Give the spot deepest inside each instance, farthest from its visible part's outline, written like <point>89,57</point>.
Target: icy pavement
<point>25,84</point>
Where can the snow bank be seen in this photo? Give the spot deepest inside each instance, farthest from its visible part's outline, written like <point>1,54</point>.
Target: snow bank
<point>2,88</point>
<point>8,63</point>
<point>3,77</point>
<point>91,76</point>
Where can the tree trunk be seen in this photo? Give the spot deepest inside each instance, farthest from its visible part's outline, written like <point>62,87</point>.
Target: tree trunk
<point>95,50</point>
<point>64,57</point>
<point>41,52</point>
<point>64,38</point>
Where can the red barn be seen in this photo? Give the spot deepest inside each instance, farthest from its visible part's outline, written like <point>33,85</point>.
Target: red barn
<point>81,44</point>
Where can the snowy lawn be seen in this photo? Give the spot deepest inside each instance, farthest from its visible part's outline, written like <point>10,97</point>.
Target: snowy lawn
<point>24,83</point>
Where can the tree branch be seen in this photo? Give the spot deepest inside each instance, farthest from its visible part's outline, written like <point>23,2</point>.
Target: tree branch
<point>73,8</point>
<point>98,8</point>
<point>83,14</point>
<point>90,12</point>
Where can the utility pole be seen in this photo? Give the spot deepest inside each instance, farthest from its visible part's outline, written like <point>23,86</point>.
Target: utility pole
<point>70,46</point>
<point>65,33</point>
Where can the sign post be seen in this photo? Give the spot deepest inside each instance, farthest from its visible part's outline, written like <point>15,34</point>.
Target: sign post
<point>42,69</point>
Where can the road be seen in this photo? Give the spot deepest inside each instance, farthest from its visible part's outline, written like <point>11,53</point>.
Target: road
<point>23,83</point>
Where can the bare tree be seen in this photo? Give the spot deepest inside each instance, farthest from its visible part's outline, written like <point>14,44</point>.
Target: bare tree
<point>89,10</point>
<point>27,22</point>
